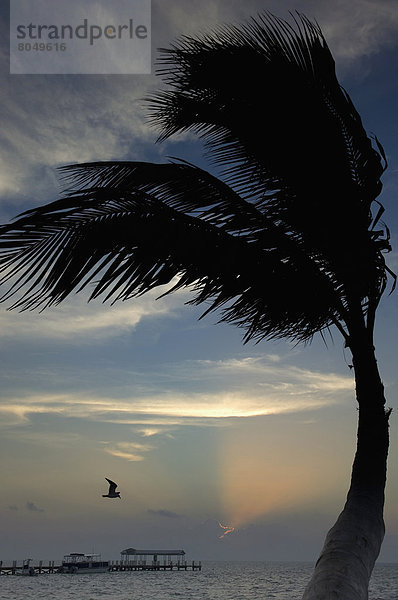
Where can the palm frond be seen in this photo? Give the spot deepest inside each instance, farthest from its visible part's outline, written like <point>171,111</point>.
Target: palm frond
<point>138,226</point>
<point>266,99</point>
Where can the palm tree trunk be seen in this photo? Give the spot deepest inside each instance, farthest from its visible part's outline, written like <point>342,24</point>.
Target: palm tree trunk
<point>352,546</point>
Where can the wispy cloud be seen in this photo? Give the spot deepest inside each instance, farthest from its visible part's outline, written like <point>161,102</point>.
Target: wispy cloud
<point>79,318</point>
<point>352,29</point>
<point>358,28</point>
<point>250,387</point>
<point>150,431</point>
<point>130,451</point>
<point>85,124</point>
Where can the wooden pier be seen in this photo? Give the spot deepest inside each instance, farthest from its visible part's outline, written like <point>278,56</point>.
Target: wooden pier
<point>25,568</point>
<point>30,568</point>
<point>155,566</point>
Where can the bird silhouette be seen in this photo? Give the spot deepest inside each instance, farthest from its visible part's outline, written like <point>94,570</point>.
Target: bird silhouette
<point>112,490</point>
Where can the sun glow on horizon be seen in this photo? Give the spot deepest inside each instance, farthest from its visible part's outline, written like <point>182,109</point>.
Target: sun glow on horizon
<point>269,466</point>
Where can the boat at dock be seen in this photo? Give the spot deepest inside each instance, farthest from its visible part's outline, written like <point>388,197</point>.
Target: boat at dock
<point>78,562</point>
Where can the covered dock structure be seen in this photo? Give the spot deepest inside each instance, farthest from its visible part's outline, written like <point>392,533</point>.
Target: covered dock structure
<point>133,559</point>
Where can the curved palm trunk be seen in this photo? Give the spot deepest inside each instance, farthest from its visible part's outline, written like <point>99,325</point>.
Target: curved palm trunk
<point>352,546</point>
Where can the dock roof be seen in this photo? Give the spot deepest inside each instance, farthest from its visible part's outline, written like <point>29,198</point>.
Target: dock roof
<point>134,551</point>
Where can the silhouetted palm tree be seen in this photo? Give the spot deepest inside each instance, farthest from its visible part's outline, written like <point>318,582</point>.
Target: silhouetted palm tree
<point>284,243</point>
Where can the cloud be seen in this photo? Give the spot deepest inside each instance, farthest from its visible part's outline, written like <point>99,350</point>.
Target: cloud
<point>79,318</point>
<point>138,424</point>
<point>358,28</point>
<point>352,29</point>
<point>164,513</point>
<point>99,120</point>
<point>33,508</point>
<point>234,388</point>
<point>268,379</point>
<point>152,430</point>
<point>130,451</point>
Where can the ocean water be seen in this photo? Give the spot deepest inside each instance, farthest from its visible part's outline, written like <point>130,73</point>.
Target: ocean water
<point>216,581</point>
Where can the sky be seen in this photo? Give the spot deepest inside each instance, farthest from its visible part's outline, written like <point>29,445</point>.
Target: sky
<point>196,428</point>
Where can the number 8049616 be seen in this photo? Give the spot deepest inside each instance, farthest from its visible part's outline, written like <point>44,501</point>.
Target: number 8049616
<point>41,47</point>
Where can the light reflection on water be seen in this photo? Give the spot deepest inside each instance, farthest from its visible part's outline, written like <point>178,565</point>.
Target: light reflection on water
<point>216,581</point>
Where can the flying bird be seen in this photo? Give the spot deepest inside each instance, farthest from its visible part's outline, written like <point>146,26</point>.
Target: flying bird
<point>112,490</point>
